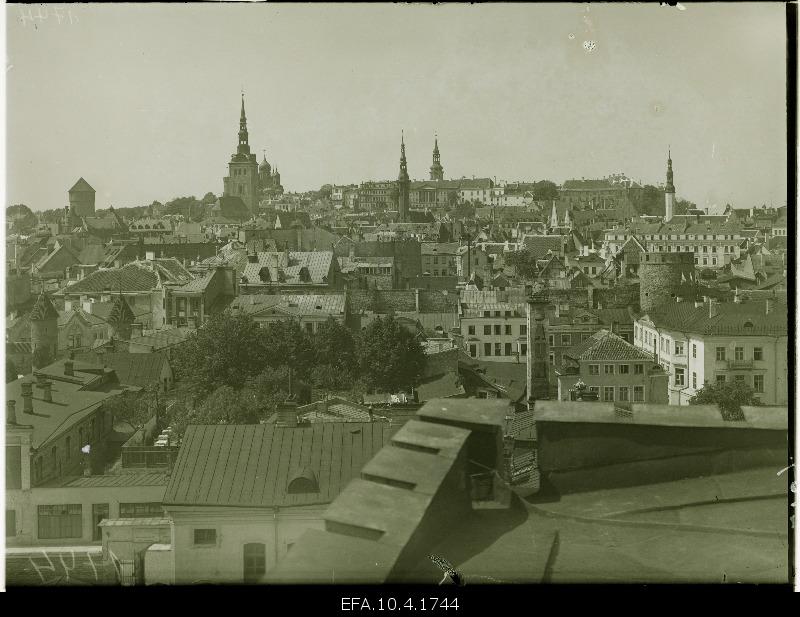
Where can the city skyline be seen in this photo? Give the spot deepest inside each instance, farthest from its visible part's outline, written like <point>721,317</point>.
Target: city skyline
<point>586,98</point>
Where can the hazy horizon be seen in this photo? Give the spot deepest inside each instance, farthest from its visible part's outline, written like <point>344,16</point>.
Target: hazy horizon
<point>143,100</point>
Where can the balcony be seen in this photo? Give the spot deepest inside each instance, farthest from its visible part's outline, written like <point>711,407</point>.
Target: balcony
<point>738,365</point>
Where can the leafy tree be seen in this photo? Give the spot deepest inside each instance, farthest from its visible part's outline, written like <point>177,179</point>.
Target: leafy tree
<point>227,350</point>
<point>137,407</point>
<point>23,220</point>
<point>391,357</point>
<point>524,262</point>
<point>335,346</point>
<point>545,190</point>
<point>287,344</point>
<point>729,396</point>
<point>209,199</point>
<point>188,206</point>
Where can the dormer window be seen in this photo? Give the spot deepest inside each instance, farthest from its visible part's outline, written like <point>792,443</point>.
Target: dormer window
<point>303,481</point>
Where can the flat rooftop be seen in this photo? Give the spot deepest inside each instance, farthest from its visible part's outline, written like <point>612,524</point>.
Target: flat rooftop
<point>438,439</point>
<point>696,416</point>
<point>414,471</point>
<point>466,411</point>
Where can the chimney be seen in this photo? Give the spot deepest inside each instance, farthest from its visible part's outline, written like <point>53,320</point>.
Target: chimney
<point>137,329</point>
<point>558,308</point>
<point>69,370</point>
<point>416,299</point>
<point>47,391</point>
<point>11,413</point>
<point>323,405</point>
<point>27,397</point>
<point>287,414</point>
<point>767,306</point>
<point>712,308</point>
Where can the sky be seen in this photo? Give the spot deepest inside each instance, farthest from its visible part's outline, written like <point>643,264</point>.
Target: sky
<point>143,100</point>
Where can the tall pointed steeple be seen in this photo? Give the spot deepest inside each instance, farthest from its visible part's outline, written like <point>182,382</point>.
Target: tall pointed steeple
<point>244,146</point>
<point>669,190</point>
<point>437,172</point>
<point>403,183</point>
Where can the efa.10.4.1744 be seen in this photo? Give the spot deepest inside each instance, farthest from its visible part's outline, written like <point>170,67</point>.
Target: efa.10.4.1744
<point>399,604</point>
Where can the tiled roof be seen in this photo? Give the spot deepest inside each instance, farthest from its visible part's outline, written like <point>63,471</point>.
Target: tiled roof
<point>134,369</point>
<point>604,345</point>
<point>81,185</point>
<point>538,246</point>
<point>161,339</point>
<point>300,304</point>
<point>121,312</point>
<point>740,319</point>
<point>93,320</point>
<point>318,264</point>
<point>251,465</point>
<point>119,480</point>
<point>137,276</point>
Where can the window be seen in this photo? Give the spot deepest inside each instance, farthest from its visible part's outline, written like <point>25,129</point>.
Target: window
<point>638,394</point>
<point>551,340</point>
<point>694,380</point>
<point>680,377</point>
<point>99,512</point>
<point>497,329</point>
<point>309,327</point>
<point>608,393</point>
<point>739,378</point>
<point>758,383</point>
<point>721,379</point>
<point>486,313</point>
<point>720,353</point>
<point>624,369</point>
<point>608,369</point>
<point>678,348</point>
<point>566,339</point>
<point>140,510</point>
<point>624,394</point>
<point>508,349</point>
<point>205,537</point>
<point>487,330</point>
<point>255,561</point>
<point>758,353</point>
<point>523,349</point>
<point>11,523</point>
<point>508,330</point>
<point>694,351</point>
<point>594,369</point>
<point>552,358</point>
<point>523,330</point>
<point>473,350</point>
<point>471,330</point>
<point>508,313</point>
<point>57,522</point>
<point>487,349</point>
<point>13,467</point>
<point>497,313</point>
<point>738,353</point>
<point>638,369</point>
<point>498,350</point>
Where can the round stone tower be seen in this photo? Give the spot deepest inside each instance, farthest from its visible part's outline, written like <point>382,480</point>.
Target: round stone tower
<point>44,328</point>
<point>663,277</point>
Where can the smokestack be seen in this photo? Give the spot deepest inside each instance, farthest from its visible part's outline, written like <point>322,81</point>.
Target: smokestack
<point>27,397</point>
<point>11,413</point>
<point>47,391</point>
<point>69,370</point>
<point>287,414</point>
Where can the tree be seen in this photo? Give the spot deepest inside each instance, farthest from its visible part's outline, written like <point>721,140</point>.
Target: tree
<point>545,190</point>
<point>335,346</point>
<point>187,206</point>
<point>227,350</point>
<point>209,199</point>
<point>391,357</point>
<point>729,396</point>
<point>523,261</point>
<point>21,217</point>
<point>290,345</point>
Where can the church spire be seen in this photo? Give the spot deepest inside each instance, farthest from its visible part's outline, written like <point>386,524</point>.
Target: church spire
<point>244,146</point>
<point>670,188</point>
<point>403,165</point>
<point>403,184</point>
<point>437,172</point>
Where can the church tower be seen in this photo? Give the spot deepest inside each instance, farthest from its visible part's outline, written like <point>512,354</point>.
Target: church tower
<point>669,191</point>
<point>242,180</point>
<point>44,329</point>
<point>403,185</point>
<point>437,172</point>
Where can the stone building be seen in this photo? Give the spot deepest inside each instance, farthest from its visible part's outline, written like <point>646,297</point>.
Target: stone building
<point>81,200</point>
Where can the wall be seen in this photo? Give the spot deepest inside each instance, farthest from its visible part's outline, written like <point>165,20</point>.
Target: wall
<point>224,562</point>
<point>25,504</point>
<point>578,456</point>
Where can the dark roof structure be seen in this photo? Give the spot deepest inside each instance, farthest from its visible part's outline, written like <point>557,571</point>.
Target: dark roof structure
<point>133,369</point>
<point>43,309</point>
<point>758,318</point>
<point>253,465</point>
<point>605,345</point>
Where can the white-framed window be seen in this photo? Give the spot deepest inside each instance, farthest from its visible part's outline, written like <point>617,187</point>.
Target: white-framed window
<point>624,393</point>
<point>680,377</point>
<point>594,369</point>
<point>638,394</point>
